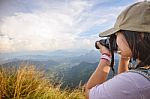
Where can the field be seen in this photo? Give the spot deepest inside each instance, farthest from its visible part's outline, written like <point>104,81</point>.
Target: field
<point>29,82</point>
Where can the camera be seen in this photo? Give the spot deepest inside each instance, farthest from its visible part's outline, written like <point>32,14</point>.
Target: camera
<point>109,43</point>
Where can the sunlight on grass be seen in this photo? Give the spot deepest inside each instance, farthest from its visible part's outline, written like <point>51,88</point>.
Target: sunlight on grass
<point>27,82</point>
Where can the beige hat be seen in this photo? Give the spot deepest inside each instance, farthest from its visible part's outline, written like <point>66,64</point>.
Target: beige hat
<point>134,18</point>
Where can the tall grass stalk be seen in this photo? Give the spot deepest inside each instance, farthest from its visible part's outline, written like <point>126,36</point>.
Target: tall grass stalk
<point>28,82</point>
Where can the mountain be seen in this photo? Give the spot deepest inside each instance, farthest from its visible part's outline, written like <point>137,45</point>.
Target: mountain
<point>91,57</point>
<point>42,64</point>
<point>72,67</point>
<point>71,56</point>
<point>81,73</point>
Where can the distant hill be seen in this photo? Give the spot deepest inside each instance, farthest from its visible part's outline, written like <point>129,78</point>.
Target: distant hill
<point>43,64</point>
<point>62,56</point>
<point>91,57</point>
<point>81,73</point>
<point>73,66</point>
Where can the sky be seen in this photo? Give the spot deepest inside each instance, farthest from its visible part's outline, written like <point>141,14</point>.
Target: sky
<point>49,25</point>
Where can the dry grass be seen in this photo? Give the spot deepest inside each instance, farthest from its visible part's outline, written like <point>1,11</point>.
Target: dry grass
<point>27,82</point>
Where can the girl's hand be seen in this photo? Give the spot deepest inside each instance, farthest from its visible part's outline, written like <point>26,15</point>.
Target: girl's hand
<point>103,49</point>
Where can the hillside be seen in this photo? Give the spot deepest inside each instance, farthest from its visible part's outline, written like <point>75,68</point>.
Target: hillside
<point>71,67</point>
<point>71,75</point>
<point>43,64</point>
<point>78,74</point>
<point>27,82</point>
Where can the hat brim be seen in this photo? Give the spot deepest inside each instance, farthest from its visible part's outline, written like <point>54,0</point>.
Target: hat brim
<point>108,32</point>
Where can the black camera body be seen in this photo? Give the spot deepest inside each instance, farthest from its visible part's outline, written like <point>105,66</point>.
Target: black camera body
<point>108,43</point>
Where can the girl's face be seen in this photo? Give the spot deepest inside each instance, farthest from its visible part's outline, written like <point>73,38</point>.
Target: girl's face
<point>123,46</point>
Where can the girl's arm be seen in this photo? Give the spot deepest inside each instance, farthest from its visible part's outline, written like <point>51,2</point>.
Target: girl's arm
<point>100,74</point>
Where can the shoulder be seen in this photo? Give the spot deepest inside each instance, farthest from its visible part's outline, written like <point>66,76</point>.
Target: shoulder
<point>122,85</point>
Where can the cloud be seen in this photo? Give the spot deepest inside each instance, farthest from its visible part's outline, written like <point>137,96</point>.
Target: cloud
<point>53,26</point>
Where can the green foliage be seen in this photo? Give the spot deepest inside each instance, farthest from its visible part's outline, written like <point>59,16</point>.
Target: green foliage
<point>78,74</point>
<point>27,82</point>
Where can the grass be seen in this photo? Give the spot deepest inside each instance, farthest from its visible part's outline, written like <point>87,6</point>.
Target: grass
<point>28,82</point>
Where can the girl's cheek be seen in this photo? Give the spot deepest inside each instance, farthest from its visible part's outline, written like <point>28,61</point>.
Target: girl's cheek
<point>123,46</point>
<point>125,50</point>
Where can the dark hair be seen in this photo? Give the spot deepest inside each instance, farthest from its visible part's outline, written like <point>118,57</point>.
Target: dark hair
<point>139,43</point>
